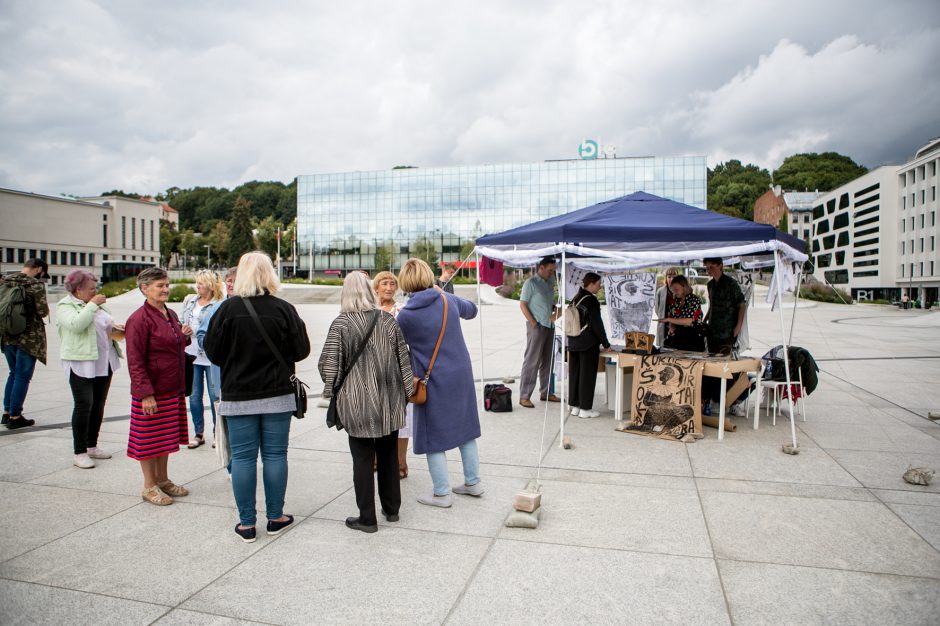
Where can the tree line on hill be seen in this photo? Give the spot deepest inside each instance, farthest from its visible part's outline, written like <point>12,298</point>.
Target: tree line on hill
<point>226,223</point>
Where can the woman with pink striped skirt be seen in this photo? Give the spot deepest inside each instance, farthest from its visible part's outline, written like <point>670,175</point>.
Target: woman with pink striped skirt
<point>157,366</point>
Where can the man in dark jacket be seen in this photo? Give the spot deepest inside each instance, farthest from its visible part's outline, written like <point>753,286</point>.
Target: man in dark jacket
<point>22,350</point>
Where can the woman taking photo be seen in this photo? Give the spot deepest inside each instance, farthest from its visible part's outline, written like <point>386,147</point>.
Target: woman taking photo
<point>197,308</point>
<point>449,419</point>
<point>156,363</point>
<point>684,318</point>
<point>372,394</point>
<point>386,287</point>
<point>257,392</point>
<point>90,355</point>
<point>584,350</point>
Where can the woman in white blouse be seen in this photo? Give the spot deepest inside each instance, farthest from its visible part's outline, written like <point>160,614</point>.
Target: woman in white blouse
<point>197,308</point>
<point>90,355</point>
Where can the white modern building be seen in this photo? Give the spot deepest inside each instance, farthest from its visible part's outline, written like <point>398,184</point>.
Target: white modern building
<point>876,236</point>
<point>70,234</point>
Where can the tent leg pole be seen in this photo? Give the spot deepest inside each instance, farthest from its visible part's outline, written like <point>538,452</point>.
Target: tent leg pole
<point>564,367</point>
<point>778,267</point>
<point>796,300</point>
<point>480,317</point>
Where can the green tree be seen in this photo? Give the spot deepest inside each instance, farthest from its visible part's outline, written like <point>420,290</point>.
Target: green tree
<point>239,225</point>
<point>384,256</point>
<point>121,193</point>
<point>733,188</point>
<point>784,224</point>
<point>811,171</point>
<point>190,246</point>
<point>169,241</point>
<point>267,235</point>
<point>218,240</point>
<point>424,249</point>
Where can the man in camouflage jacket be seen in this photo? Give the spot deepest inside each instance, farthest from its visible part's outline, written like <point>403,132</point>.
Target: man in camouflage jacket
<point>22,351</point>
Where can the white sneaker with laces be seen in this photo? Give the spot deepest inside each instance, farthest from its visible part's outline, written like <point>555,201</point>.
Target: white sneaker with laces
<point>83,461</point>
<point>574,411</point>
<point>737,410</point>
<point>98,453</point>
<point>586,413</point>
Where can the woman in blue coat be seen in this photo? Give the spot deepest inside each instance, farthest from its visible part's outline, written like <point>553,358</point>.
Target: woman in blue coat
<point>449,419</point>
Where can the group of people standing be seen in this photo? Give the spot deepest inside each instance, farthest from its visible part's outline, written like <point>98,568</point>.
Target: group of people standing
<point>241,346</point>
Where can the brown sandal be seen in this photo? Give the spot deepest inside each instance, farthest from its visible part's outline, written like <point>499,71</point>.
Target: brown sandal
<point>174,490</point>
<point>154,495</point>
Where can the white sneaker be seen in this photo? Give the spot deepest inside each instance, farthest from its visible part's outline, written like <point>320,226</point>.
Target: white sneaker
<point>574,411</point>
<point>83,461</point>
<point>586,413</point>
<point>737,410</point>
<point>469,490</point>
<point>98,453</point>
<point>434,500</point>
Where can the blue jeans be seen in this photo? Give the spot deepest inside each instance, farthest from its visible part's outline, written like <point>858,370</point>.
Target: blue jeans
<point>200,373</point>
<point>21,365</point>
<point>437,465</point>
<point>248,433</point>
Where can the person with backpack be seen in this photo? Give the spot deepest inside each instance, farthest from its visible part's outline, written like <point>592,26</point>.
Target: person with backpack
<point>584,344</point>
<point>23,306</point>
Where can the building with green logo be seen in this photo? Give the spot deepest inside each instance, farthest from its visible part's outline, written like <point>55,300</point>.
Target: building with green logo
<point>347,220</point>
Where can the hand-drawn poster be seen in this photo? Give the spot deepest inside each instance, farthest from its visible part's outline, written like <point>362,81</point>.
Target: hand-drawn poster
<point>745,280</point>
<point>630,300</point>
<point>573,280</point>
<point>666,398</point>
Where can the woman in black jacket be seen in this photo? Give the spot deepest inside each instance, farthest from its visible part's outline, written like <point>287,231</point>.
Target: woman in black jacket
<point>257,392</point>
<point>584,349</point>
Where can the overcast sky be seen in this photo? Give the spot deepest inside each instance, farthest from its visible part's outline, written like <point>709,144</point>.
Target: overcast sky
<point>146,95</point>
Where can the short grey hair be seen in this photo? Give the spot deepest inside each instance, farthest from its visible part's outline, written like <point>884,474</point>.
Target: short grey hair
<point>151,275</point>
<point>357,294</point>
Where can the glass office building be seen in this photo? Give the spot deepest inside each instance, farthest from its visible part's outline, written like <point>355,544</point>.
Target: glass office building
<point>345,219</point>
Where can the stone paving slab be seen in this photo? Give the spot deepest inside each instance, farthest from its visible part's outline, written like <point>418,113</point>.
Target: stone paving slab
<point>760,593</point>
<point>41,605</point>
<point>325,573</point>
<point>563,584</point>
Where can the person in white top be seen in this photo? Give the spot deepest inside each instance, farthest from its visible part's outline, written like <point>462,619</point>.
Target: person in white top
<point>90,355</point>
<point>385,285</point>
<point>196,308</point>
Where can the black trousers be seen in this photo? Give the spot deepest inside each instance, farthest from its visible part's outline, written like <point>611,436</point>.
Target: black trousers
<point>89,395</point>
<point>385,450</point>
<point>582,377</point>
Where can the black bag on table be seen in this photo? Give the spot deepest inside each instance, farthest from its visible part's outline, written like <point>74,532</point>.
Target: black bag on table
<point>497,398</point>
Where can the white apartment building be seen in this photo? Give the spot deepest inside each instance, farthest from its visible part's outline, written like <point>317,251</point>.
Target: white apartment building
<point>918,262</point>
<point>70,234</point>
<point>877,235</point>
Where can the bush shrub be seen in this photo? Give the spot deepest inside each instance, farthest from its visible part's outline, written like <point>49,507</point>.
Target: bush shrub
<point>116,288</point>
<point>825,293</point>
<point>179,292</point>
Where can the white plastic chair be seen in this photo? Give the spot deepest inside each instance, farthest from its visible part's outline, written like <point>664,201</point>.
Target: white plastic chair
<point>773,390</point>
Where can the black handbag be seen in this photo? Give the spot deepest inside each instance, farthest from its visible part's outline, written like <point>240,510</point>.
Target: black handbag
<point>300,393</point>
<point>497,398</point>
<point>332,413</point>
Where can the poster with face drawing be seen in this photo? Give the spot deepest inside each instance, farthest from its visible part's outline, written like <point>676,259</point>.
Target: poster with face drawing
<point>630,300</point>
<point>666,398</point>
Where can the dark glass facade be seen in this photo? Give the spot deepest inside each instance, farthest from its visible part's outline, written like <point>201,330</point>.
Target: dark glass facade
<point>344,219</point>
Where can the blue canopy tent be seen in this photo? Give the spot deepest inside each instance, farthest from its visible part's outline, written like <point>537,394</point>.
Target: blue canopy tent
<point>642,230</point>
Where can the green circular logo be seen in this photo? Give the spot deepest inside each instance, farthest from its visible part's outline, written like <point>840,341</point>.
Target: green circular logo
<point>588,149</point>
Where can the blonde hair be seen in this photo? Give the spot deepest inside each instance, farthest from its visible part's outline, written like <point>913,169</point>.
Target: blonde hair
<point>208,278</point>
<point>415,276</point>
<point>357,294</point>
<point>382,276</point>
<point>255,276</point>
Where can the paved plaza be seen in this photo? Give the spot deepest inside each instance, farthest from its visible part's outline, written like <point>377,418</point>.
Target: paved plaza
<point>633,530</point>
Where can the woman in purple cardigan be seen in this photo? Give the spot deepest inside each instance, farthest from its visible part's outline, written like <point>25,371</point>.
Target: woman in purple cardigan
<point>449,419</point>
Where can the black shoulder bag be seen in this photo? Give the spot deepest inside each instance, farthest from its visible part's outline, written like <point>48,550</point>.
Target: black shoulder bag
<point>332,414</point>
<point>300,394</point>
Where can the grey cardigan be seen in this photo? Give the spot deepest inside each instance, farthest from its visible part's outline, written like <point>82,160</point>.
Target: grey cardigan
<point>372,400</point>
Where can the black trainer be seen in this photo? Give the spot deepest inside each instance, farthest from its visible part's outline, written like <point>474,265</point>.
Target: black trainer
<point>355,524</point>
<point>19,422</point>
<point>248,535</point>
<point>276,527</point>
<point>390,518</point>
<point>6,418</point>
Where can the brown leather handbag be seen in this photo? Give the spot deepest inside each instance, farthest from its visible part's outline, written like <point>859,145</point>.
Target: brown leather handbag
<point>420,394</point>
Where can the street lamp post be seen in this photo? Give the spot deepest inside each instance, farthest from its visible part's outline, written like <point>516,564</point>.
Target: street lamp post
<point>208,255</point>
<point>183,250</point>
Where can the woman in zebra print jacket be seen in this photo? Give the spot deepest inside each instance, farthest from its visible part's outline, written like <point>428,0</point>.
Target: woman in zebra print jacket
<point>371,402</point>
